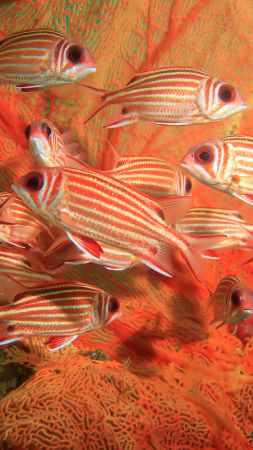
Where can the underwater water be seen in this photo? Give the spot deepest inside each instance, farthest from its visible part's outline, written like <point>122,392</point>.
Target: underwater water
<point>160,376</point>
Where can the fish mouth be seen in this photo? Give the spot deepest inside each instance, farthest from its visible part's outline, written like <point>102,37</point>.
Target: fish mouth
<point>35,143</point>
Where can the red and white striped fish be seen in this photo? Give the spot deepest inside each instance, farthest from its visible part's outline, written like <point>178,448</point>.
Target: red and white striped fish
<point>172,96</point>
<point>152,176</point>
<point>21,226</point>
<point>207,221</point>
<point>40,58</point>
<point>60,311</point>
<point>232,302</point>
<point>93,207</point>
<point>225,164</point>
<point>47,145</point>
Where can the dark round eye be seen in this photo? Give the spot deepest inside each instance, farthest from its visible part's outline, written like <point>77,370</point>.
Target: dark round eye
<point>27,131</point>
<point>113,305</point>
<point>226,93</point>
<point>236,298</point>
<point>10,328</point>
<point>34,181</point>
<point>188,185</point>
<point>204,155</point>
<point>46,129</point>
<point>75,54</point>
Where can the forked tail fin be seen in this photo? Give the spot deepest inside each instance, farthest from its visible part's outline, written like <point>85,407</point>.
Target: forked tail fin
<point>100,102</point>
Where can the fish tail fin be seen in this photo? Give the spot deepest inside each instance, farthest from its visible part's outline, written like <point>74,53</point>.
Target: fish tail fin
<point>100,101</point>
<point>197,245</point>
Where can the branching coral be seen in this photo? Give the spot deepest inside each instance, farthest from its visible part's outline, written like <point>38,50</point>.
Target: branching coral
<point>167,380</point>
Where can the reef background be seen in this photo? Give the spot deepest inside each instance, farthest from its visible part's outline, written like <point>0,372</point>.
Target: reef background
<point>160,377</point>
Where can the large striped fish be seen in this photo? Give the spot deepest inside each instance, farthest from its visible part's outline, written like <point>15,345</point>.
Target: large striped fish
<point>47,145</point>
<point>152,176</point>
<point>59,311</point>
<point>19,225</point>
<point>207,221</point>
<point>225,164</point>
<point>172,96</point>
<point>232,302</point>
<point>40,58</point>
<point>92,206</point>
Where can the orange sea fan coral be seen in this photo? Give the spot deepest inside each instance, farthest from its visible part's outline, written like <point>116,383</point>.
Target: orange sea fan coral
<point>172,382</point>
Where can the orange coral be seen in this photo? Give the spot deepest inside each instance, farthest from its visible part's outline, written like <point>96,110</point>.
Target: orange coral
<point>177,383</point>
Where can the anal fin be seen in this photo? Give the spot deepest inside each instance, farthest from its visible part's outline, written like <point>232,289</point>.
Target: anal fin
<point>57,342</point>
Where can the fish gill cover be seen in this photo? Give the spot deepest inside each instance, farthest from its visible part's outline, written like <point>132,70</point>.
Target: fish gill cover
<point>160,376</point>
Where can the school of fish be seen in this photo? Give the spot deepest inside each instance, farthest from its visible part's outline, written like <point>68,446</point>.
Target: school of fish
<point>59,211</point>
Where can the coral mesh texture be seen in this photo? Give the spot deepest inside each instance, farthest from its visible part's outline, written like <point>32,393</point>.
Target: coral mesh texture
<point>159,377</point>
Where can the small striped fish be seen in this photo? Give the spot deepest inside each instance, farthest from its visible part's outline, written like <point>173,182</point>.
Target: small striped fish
<point>15,264</point>
<point>20,225</point>
<point>47,145</point>
<point>232,301</point>
<point>61,311</point>
<point>208,221</point>
<point>152,176</point>
<point>92,207</point>
<point>35,59</point>
<point>225,164</point>
<point>172,96</point>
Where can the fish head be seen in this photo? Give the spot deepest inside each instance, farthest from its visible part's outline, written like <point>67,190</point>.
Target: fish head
<point>218,100</point>
<point>45,143</point>
<point>41,190</point>
<point>73,61</point>
<point>232,301</point>
<point>109,308</point>
<point>211,162</point>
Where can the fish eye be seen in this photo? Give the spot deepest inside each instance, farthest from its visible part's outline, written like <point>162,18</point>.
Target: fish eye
<point>27,131</point>
<point>34,181</point>
<point>11,328</point>
<point>204,155</point>
<point>188,185</point>
<point>113,305</point>
<point>236,298</point>
<point>226,93</point>
<point>75,54</point>
<point>46,129</point>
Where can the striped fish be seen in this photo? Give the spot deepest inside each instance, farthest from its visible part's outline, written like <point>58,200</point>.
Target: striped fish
<point>172,96</point>
<point>47,145</point>
<point>15,264</point>
<point>232,302</point>
<point>20,226</point>
<point>225,164</point>
<point>40,58</point>
<point>152,176</point>
<point>208,221</point>
<point>92,206</point>
<point>59,311</point>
